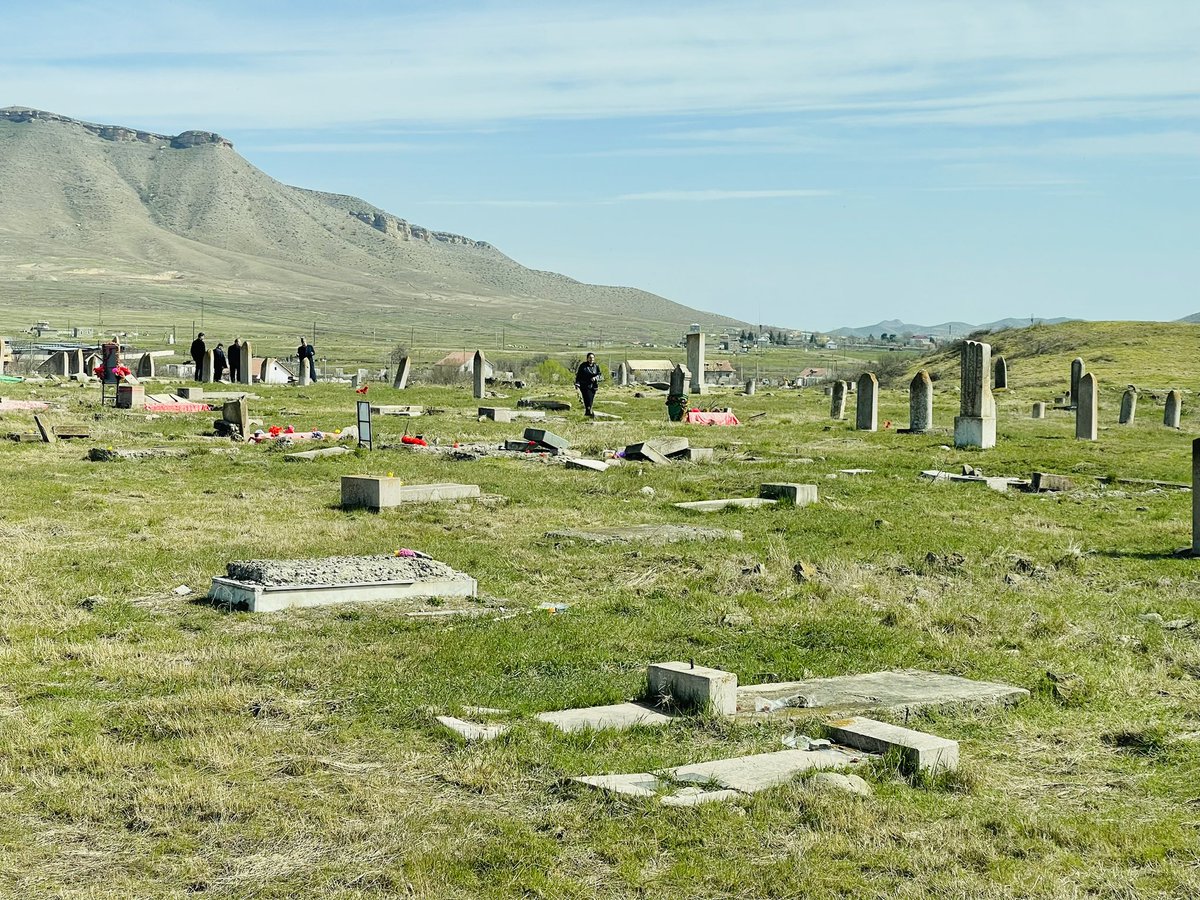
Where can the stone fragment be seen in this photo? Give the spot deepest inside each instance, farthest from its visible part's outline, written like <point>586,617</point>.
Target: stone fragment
<point>707,506</point>
<point>798,494</point>
<point>1039,410</point>
<point>761,771</point>
<point>751,386</point>
<point>237,412</point>
<point>47,434</point>
<point>684,686</point>
<point>543,403</point>
<point>317,454</point>
<point>594,465</point>
<point>1045,481</point>
<point>497,414</point>
<point>695,454</point>
<point>837,781</point>
<point>919,752</point>
<point>192,394</point>
<point>646,534</point>
<point>902,692</point>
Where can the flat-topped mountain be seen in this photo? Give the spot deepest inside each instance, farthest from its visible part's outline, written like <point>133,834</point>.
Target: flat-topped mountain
<point>172,218</point>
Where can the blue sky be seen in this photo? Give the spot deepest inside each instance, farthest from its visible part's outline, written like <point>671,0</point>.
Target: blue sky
<point>804,164</point>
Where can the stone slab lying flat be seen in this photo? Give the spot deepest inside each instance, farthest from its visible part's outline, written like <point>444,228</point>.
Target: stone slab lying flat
<point>898,691</point>
<point>706,506</point>
<point>317,454</point>
<point>760,771</point>
<point>472,731</point>
<point>644,784</point>
<point>595,465</point>
<point>543,403</point>
<point>919,751</point>
<point>646,534</point>
<point>995,482</point>
<point>380,492</point>
<point>617,715</point>
<point>410,411</point>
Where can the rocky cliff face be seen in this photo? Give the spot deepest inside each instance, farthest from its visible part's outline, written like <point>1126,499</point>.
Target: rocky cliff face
<point>24,115</point>
<point>406,231</point>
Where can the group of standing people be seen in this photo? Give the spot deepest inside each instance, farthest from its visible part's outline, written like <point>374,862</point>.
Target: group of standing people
<point>234,361</point>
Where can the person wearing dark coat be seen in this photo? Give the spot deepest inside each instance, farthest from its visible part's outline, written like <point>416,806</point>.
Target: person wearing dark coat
<point>309,352</point>
<point>587,379</point>
<point>219,362</point>
<point>198,351</point>
<point>235,361</point>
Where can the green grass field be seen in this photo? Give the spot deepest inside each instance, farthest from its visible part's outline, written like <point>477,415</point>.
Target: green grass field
<point>152,745</point>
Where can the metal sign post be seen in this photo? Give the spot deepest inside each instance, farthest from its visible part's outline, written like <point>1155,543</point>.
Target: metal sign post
<point>364,424</point>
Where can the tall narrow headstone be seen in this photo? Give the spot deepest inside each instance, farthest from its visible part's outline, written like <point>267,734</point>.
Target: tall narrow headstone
<point>247,373</point>
<point>1196,497</point>
<point>145,366</point>
<point>920,403</point>
<point>301,377</point>
<point>1039,410</point>
<point>1000,379</point>
<point>3,350</point>
<point>206,367</point>
<point>1173,408</point>
<point>975,426</point>
<point>695,361</point>
<point>1077,370</point>
<point>837,403</point>
<point>76,363</point>
<point>1128,406</point>
<point>751,387</point>
<point>401,380</point>
<point>623,374</point>
<point>1086,408</point>
<point>866,408</point>
<point>477,376</point>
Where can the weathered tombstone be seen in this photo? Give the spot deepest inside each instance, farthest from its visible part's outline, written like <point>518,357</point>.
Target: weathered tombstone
<point>57,364</point>
<point>866,408</point>
<point>623,374</point>
<point>1000,379</point>
<point>477,376</point>
<point>3,350</point>
<point>1086,408</point>
<point>695,361</point>
<point>751,386</point>
<point>302,374</point>
<point>91,364</point>
<point>679,379</point>
<point>400,382</point>
<point>920,403</point>
<point>76,362</point>
<point>837,405</point>
<point>1172,409</point>
<point>111,351</point>
<point>1196,497</point>
<point>145,366</point>
<point>1077,370</point>
<point>206,367</point>
<point>1039,410</point>
<point>236,412</point>
<point>1128,406</point>
<point>246,375</point>
<point>975,426</point>
<point>354,381</point>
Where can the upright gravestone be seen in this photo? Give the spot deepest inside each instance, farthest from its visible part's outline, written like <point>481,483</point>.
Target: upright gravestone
<point>301,376</point>
<point>623,374</point>
<point>76,363</point>
<point>679,379</point>
<point>402,370</point>
<point>477,375</point>
<point>57,364</point>
<point>145,366</point>
<point>837,403</point>
<point>206,368</point>
<point>920,403</point>
<point>1128,406</point>
<point>111,351</point>
<point>866,408</point>
<point>1173,408</point>
<point>1196,497</point>
<point>1077,370</point>
<point>975,426</point>
<point>1000,377</point>
<point>695,361</point>
<point>3,350</point>
<point>1039,410</point>
<point>751,387</point>
<point>247,372</point>
<point>1086,408</point>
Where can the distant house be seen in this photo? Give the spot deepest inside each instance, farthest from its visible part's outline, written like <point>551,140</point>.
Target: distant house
<point>811,376</point>
<point>462,362</point>
<point>645,370</point>
<point>831,345</point>
<point>719,371</point>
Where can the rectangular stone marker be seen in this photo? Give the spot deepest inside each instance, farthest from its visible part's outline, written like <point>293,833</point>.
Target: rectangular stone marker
<point>410,411</point>
<point>695,361</point>
<point>272,598</point>
<point>206,368</point>
<point>1039,410</point>
<point>1077,370</point>
<point>707,506</point>
<point>380,491</point>
<point>1000,379</point>
<point>237,412</point>
<point>646,534</point>
<point>544,403</point>
<point>619,716</point>
<point>975,426</point>
<point>653,449</point>
<point>904,692</point>
<point>918,750</point>
<point>696,455</point>
<point>920,403</point>
<point>837,403</point>
<point>131,396</point>
<point>695,688</point>
<point>594,465</point>
<point>246,370</point>
<point>866,409</point>
<point>546,438</point>
<point>1046,481</point>
<point>47,434</point>
<point>1086,408</point>
<point>1172,409</point>
<point>478,379</point>
<point>496,414</point>
<point>761,771</point>
<point>317,454</point>
<point>799,494</point>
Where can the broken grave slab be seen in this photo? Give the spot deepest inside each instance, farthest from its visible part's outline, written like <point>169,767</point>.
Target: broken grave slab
<point>619,716</point>
<point>472,731</point>
<point>760,771</point>
<point>695,455</point>
<point>409,411</point>
<point>707,506</point>
<point>546,438</point>
<point>543,403</point>
<point>907,690</point>
<point>1047,481</point>
<point>594,465</point>
<point>798,494</point>
<point>919,752</point>
<point>317,454</point>
<point>692,687</point>
<point>646,534</point>
<point>379,492</point>
<point>995,482</point>
<point>656,450</point>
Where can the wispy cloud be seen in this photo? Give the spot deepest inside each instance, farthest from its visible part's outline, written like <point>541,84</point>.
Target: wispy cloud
<point>709,195</point>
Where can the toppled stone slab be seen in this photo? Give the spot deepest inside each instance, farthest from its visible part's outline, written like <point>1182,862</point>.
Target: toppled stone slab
<point>706,506</point>
<point>472,731</point>
<point>996,483</point>
<point>543,403</point>
<point>646,534</point>
<point>919,752</point>
<point>594,465</point>
<point>904,691</point>
<point>644,784</point>
<point>317,454</point>
<point>619,716</point>
<point>102,454</point>
<point>546,438</point>
<point>798,494</point>
<point>380,492</point>
<point>535,449</point>
<point>501,414</point>
<point>1046,481</point>
<point>657,450</point>
<point>694,455</point>
<point>409,411</point>
<point>760,771</point>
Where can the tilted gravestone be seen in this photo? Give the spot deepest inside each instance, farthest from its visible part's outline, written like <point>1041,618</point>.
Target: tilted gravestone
<point>1086,408</point>
<point>1128,406</point>
<point>920,403</point>
<point>975,426</point>
<point>1000,379</point>
<point>400,382</point>
<point>837,405</point>
<point>1077,370</point>
<point>1173,409</point>
<point>866,408</point>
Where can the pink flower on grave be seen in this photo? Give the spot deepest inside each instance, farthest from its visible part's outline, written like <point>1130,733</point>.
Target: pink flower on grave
<point>404,551</point>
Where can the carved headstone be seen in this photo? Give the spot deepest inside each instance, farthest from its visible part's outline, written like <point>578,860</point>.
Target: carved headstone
<point>1039,410</point>
<point>400,382</point>
<point>1000,379</point>
<point>623,374</point>
<point>866,408</point>
<point>478,378</point>
<point>975,426</point>
<point>837,403</point>
<point>680,376</point>
<point>1086,408</point>
<point>1077,370</point>
<point>1128,406</point>
<point>695,361</point>
<point>145,366</point>
<point>1173,408</point>
<point>247,371</point>
<point>76,363</point>
<point>920,403</point>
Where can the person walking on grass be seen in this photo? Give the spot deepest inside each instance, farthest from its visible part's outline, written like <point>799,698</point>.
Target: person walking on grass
<point>587,380</point>
<point>197,352</point>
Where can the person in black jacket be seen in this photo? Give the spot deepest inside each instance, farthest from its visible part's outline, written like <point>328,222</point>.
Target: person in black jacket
<point>235,361</point>
<point>218,362</point>
<point>197,351</point>
<point>587,379</point>
<point>308,352</point>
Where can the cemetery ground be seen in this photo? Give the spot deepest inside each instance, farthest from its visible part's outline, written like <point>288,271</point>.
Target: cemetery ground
<point>154,745</point>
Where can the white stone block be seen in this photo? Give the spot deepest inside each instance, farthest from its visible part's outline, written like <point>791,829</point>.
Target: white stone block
<point>918,750</point>
<point>694,687</point>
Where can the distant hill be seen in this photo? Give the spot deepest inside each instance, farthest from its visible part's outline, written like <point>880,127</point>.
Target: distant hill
<point>1194,317</point>
<point>160,221</point>
<point>946,329</point>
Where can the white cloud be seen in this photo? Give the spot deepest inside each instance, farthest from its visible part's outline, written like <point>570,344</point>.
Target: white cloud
<point>708,195</point>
